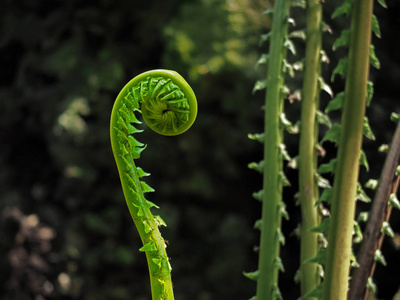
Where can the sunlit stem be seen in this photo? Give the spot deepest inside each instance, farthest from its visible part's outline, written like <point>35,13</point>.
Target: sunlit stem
<point>269,245</point>
<point>335,285</point>
<point>307,153</point>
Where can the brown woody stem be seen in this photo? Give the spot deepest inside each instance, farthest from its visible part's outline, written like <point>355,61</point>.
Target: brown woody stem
<point>380,212</point>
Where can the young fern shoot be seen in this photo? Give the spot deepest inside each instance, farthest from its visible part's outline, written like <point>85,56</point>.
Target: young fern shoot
<point>169,107</point>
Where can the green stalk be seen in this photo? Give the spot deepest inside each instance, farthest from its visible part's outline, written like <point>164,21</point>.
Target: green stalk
<point>268,268</point>
<point>168,105</point>
<point>346,174</point>
<point>307,152</point>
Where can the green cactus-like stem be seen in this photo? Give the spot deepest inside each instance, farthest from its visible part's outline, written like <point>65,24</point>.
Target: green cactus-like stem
<point>267,284</point>
<point>307,152</point>
<point>336,283</point>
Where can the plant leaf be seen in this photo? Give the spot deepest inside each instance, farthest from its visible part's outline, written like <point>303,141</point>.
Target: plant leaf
<point>323,119</point>
<point>375,26</point>
<point>344,9</point>
<point>327,168</point>
<point>324,57</point>
<point>258,195</point>
<point>260,85</point>
<point>373,60</point>
<point>371,184</point>
<point>370,91</point>
<point>325,196</point>
<point>322,182</point>
<point>363,160</point>
<point>322,227</point>
<point>298,3</point>
<point>282,210</point>
<point>293,129</point>
<point>382,3</point>
<point>262,60</point>
<point>264,38</point>
<point>371,285</point>
<point>357,232</point>
<point>332,135</point>
<point>276,293</point>
<point>287,68</point>
<point>283,179</point>
<point>251,275</point>
<point>283,152</point>
<point>151,204</point>
<point>325,87</point>
<point>340,69</point>
<point>378,256</point>
<point>257,224</point>
<point>301,34</point>
<point>288,44</point>
<point>259,137</point>
<point>394,117</point>
<point>269,12</point>
<point>367,131</point>
<point>361,194</point>
<point>259,167</point>
<point>278,264</point>
<point>280,236</point>
<point>318,258</point>
<point>343,40</point>
<point>148,247</point>
<point>387,229</point>
<point>363,216</point>
<point>336,103</point>
<point>393,201</point>
<point>160,221</point>
<point>141,173</point>
<point>146,188</point>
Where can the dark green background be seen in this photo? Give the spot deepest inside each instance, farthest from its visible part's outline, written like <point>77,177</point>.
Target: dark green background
<point>65,232</point>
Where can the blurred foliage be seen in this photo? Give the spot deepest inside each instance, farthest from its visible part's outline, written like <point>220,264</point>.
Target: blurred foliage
<point>227,42</point>
<point>65,230</point>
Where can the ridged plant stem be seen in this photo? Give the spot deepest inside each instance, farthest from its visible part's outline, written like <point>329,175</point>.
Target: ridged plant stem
<point>268,268</point>
<point>336,283</point>
<point>307,152</point>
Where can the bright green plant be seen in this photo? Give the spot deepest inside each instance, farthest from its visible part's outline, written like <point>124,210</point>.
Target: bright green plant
<point>169,107</point>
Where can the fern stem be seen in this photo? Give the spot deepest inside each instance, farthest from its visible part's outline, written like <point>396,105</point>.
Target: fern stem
<point>267,287</point>
<point>380,212</point>
<point>160,277</point>
<point>153,93</point>
<point>346,174</point>
<point>307,152</point>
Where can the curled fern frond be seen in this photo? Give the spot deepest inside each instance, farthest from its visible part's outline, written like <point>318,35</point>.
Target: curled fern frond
<point>169,107</point>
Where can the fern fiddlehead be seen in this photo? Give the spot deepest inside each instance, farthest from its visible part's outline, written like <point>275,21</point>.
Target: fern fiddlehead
<point>169,107</point>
